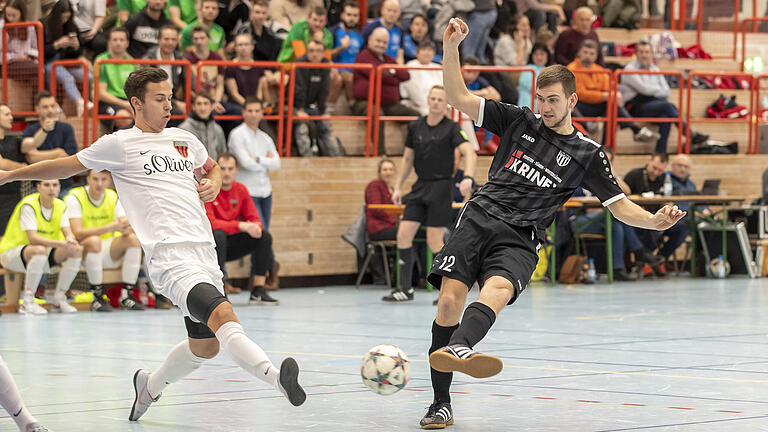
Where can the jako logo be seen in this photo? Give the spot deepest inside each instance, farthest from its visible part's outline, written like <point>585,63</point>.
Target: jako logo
<point>528,137</point>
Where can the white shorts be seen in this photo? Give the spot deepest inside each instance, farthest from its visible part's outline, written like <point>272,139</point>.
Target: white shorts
<point>11,259</point>
<point>106,259</point>
<point>175,269</point>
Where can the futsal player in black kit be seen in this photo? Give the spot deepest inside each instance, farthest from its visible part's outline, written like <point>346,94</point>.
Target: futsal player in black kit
<point>540,162</point>
<point>429,148</point>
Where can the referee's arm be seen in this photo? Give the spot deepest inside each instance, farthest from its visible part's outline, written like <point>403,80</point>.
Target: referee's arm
<point>455,89</point>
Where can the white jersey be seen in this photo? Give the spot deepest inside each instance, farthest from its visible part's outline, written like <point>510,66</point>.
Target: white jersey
<point>154,177</point>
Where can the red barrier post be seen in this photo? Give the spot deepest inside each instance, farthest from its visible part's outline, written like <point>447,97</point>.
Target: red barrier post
<point>290,117</point>
<point>258,64</point>
<point>748,119</point>
<point>678,119</point>
<point>54,88</point>
<point>40,50</point>
<point>610,103</point>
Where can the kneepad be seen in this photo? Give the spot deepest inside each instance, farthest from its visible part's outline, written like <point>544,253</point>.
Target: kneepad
<point>202,300</point>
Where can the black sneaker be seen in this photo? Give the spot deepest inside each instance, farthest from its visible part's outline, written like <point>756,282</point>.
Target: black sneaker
<point>100,305</point>
<point>260,297</point>
<point>129,303</point>
<point>438,416</point>
<point>398,296</point>
<point>645,256</point>
<point>460,358</point>
<point>621,275</point>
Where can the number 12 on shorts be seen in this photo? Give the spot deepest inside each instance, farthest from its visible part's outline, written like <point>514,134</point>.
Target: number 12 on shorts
<point>448,262</point>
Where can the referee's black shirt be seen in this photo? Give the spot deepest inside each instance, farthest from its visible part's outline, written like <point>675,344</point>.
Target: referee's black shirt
<point>536,170</point>
<point>433,147</point>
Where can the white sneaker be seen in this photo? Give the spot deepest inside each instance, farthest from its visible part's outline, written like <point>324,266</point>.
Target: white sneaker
<point>29,306</point>
<point>36,427</point>
<point>60,304</point>
<point>646,134</point>
<point>143,398</point>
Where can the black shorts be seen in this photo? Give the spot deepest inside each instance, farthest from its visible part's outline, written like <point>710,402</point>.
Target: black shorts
<point>429,203</point>
<point>482,246</point>
<point>7,205</point>
<point>51,257</point>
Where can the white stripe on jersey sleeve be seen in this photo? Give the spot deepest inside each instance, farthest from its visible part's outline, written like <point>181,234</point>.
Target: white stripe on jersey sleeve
<point>479,122</point>
<point>581,135</point>
<point>610,201</point>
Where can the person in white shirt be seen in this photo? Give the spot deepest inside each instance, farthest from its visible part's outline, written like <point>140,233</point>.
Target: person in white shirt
<point>412,91</point>
<point>163,176</point>
<point>98,221</point>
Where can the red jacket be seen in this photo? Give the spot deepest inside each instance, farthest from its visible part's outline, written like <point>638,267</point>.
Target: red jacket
<point>390,83</point>
<point>230,207</point>
<point>377,192</point>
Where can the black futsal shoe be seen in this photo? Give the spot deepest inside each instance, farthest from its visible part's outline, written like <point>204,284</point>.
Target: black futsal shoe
<point>398,296</point>
<point>438,416</point>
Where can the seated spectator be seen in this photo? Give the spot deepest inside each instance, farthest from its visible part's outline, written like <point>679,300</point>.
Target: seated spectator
<point>390,15</point>
<point>286,13</point>
<point>481,20</point>
<point>49,138</point>
<point>38,237</point>
<point>98,221</point>
<point>61,43</point>
<point>478,86</point>
<point>541,13</point>
<point>211,77</point>
<point>233,14</point>
<point>89,17</point>
<point>209,10</point>
<point>514,46</point>
<point>112,100</point>
<point>418,33</point>
<point>309,99</point>
<point>201,124</point>
<point>182,12</point>
<point>594,89</point>
<point>412,91</point>
<point>144,28</point>
<point>11,157</point>
<point>347,43</point>
<point>569,41</point>
<point>375,54</point>
<point>242,81</point>
<point>266,46</point>
<point>166,49</point>
<point>21,44</point>
<point>238,232</point>
<point>382,225</point>
<point>313,28</point>
<point>547,38</point>
<point>623,238</point>
<point>540,58</point>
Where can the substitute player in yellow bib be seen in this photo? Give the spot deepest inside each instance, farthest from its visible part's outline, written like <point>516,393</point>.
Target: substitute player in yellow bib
<point>99,223</point>
<point>38,238</point>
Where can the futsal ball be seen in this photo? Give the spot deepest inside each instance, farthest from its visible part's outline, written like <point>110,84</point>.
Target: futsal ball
<point>385,369</point>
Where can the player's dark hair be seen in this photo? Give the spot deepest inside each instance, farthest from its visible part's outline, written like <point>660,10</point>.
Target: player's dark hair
<point>557,74</point>
<point>43,94</point>
<point>136,84</point>
<point>661,156</point>
<point>227,155</point>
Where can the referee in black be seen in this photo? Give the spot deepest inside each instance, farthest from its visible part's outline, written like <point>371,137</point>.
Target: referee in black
<point>540,162</point>
<point>429,148</point>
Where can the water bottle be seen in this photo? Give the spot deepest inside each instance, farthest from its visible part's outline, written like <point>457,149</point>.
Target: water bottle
<point>668,185</point>
<point>591,272</point>
<point>720,268</point>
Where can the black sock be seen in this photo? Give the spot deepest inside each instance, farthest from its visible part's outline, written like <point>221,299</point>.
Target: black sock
<point>478,319</point>
<point>441,381</point>
<point>406,268</point>
<point>257,289</point>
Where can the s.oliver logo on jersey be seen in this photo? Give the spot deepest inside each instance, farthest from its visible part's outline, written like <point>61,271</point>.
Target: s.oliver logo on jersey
<point>525,166</point>
<point>162,164</point>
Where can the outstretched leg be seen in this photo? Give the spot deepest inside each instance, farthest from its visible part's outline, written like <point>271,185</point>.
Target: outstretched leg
<point>10,399</point>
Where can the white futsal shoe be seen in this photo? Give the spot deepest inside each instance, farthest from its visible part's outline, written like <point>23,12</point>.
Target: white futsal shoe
<point>143,398</point>
<point>36,427</point>
<point>60,304</point>
<point>30,307</point>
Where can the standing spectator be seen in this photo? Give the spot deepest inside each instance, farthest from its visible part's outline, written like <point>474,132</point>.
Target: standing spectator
<point>347,43</point>
<point>201,124</point>
<point>11,157</point>
<point>177,74</point>
<point>112,100</point>
<point>594,90</point>
<point>514,45</point>
<point>570,40</point>
<point>390,15</point>
<point>540,58</point>
<point>382,225</point>
<point>286,13</point>
<point>541,13</point>
<point>265,45</point>
<point>182,12</point>
<point>89,17</point>
<point>21,43</point>
<point>242,81</point>
<point>209,10</point>
<point>144,28</point>
<point>418,33</point>
<point>375,54</point>
<point>61,43</point>
<point>313,28</point>
<point>481,20</point>
<point>412,91</point>
<point>49,138</point>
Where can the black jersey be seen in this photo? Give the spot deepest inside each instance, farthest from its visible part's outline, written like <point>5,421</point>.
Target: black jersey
<point>433,147</point>
<point>536,170</point>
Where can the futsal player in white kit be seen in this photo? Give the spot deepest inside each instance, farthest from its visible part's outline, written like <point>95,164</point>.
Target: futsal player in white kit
<point>162,177</point>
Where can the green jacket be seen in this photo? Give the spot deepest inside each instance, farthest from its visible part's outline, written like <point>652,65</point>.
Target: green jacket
<point>295,44</point>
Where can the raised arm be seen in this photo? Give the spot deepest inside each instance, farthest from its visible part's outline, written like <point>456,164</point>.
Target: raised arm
<point>45,170</point>
<point>455,88</point>
<point>632,214</point>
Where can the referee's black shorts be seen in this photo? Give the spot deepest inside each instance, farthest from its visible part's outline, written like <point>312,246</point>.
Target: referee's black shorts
<point>482,246</point>
<point>429,203</point>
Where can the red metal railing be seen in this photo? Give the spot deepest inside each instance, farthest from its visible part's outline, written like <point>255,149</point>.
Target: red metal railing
<point>744,23</point>
<point>280,116</point>
<point>756,113</point>
<point>679,22</point>
<point>40,49</point>
<point>54,88</point>
<point>678,119</point>
<point>748,119</point>
<point>367,118</point>
<point>610,103</point>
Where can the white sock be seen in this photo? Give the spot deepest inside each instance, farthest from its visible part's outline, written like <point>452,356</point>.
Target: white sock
<point>94,268</point>
<point>10,398</point>
<point>69,269</point>
<point>131,265</point>
<point>179,363</point>
<point>246,353</point>
<point>35,268</point>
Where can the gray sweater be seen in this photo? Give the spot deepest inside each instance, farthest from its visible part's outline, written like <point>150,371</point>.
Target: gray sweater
<point>647,85</point>
<point>208,132</point>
